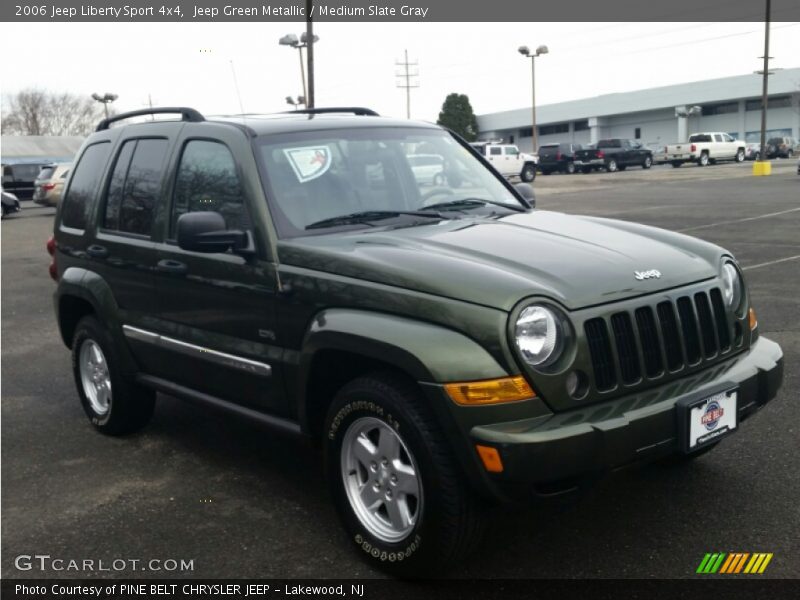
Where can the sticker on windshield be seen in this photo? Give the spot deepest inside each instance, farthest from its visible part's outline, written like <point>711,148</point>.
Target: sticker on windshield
<point>309,162</point>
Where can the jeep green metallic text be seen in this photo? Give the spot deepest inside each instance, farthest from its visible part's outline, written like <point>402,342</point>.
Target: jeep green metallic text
<point>446,344</point>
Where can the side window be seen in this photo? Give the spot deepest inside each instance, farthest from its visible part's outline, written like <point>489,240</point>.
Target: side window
<point>495,150</point>
<point>717,137</point>
<point>512,151</point>
<point>207,181</point>
<point>135,186</point>
<point>79,200</point>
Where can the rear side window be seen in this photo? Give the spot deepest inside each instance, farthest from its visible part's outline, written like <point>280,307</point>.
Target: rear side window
<point>207,181</point>
<point>79,200</point>
<point>135,186</point>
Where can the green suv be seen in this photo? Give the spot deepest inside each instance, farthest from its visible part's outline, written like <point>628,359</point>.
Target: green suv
<point>447,345</point>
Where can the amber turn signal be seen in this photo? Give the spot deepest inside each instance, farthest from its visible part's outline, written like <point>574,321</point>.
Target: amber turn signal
<point>751,317</point>
<point>490,391</point>
<point>490,458</point>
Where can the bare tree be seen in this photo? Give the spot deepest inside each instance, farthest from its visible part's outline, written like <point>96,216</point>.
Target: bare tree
<point>40,112</point>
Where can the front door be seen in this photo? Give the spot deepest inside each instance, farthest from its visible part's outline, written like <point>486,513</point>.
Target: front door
<point>217,311</point>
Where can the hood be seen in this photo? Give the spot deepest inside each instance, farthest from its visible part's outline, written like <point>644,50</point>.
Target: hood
<point>576,261</point>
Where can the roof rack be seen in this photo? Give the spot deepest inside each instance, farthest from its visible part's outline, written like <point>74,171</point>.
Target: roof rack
<point>356,110</point>
<point>187,114</point>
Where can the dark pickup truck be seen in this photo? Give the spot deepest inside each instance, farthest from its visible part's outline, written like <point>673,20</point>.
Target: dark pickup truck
<point>613,155</point>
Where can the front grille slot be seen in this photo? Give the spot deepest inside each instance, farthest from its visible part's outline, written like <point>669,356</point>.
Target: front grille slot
<point>605,377</point>
<point>672,340</point>
<point>721,320</point>
<point>691,339</point>
<point>626,348</point>
<point>707,333</point>
<point>648,335</point>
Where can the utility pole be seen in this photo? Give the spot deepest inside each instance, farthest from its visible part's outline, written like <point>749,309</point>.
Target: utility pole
<point>310,53</point>
<point>405,73</point>
<point>764,85</point>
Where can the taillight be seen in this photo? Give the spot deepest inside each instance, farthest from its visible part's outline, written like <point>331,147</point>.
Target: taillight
<point>558,155</point>
<point>51,250</point>
<point>600,154</point>
<point>693,148</point>
<point>48,186</point>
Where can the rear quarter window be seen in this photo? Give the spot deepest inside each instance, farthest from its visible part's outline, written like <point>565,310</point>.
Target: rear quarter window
<point>79,200</point>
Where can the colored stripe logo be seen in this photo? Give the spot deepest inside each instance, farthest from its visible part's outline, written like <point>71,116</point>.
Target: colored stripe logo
<point>733,563</point>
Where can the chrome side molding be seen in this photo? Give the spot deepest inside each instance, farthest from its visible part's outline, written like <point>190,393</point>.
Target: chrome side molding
<point>215,356</point>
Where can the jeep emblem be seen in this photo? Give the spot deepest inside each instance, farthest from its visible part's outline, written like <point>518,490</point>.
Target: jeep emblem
<point>651,274</point>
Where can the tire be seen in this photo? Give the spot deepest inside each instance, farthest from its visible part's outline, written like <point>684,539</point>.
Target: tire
<point>611,166</point>
<point>703,161</point>
<point>448,520</point>
<point>586,170</point>
<point>675,164</point>
<point>114,404</point>
<point>648,162</point>
<point>622,167</point>
<point>528,173</point>
<point>570,168</point>
<point>740,155</point>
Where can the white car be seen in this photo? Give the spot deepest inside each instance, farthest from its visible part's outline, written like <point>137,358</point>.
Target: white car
<point>508,160</point>
<point>705,149</point>
<point>427,168</point>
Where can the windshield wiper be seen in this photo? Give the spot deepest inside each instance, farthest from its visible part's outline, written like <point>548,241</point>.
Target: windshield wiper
<point>370,215</point>
<point>471,203</point>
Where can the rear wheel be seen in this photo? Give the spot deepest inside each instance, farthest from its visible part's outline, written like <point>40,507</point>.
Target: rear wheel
<point>586,169</point>
<point>570,168</point>
<point>676,164</point>
<point>611,166</point>
<point>400,494</point>
<point>648,162</point>
<point>703,161</point>
<point>528,173</point>
<point>114,404</point>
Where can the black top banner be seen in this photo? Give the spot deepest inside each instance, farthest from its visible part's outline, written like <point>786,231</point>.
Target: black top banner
<point>397,10</point>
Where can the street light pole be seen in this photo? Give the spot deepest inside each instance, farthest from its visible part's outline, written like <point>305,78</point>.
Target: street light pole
<point>105,100</point>
<point>310,53</point>
<point>764,86</point>
<point>525,51</point>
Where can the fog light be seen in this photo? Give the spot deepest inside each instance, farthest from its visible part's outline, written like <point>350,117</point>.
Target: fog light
<point>577,384</point>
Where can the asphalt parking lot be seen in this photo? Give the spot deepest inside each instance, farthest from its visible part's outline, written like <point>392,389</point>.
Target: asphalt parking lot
<point>243,502</point>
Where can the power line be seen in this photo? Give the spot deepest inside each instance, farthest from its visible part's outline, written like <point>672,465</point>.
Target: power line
<point>406,71</point>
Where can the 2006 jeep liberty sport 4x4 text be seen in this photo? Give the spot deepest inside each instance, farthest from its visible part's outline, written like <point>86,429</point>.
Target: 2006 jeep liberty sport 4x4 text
<point>448,345</point>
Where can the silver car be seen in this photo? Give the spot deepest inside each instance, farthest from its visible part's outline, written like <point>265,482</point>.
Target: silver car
<point>49,184</point>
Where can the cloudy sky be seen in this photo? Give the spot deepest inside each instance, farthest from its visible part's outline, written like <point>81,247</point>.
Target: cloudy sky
<point>194,63</point>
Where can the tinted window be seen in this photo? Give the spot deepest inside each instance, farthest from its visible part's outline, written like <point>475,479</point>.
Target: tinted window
<point>207,181</point>
<point>495,150</point>
<point>131,205</point>
<point>79,200</point>
<point>609,144</point>
<point>700,137</point>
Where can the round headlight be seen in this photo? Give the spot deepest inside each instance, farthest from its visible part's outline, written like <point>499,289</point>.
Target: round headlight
<point>731,285</point>
<point>538,335</point>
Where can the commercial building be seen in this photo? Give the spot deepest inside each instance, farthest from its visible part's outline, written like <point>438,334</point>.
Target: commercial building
<point>659,116</point>
<point>39,149</point>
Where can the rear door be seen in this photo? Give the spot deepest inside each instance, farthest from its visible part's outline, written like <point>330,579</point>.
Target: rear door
<point>216,312</point>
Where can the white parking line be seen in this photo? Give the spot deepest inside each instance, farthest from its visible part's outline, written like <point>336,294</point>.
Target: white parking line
<point>772,262</point>
<point>767,216</point>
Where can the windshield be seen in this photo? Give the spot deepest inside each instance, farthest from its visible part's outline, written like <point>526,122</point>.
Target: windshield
<point>317,176</point>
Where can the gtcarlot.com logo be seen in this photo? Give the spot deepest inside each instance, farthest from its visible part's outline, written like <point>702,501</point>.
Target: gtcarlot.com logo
<point>734,563</point>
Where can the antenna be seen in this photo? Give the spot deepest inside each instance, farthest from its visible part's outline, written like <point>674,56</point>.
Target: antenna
<point>406,71</point>
<point>238,94</point>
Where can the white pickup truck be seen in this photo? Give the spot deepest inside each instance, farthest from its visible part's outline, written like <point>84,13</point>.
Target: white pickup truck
<point>705,149</point>
<point>508,160</point>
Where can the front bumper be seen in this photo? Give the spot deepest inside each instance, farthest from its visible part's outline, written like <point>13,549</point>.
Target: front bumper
<point>570,445</point>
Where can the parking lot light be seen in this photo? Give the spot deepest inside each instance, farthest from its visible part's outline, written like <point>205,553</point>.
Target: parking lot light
<point>526,52</point>
<point>105,99</point>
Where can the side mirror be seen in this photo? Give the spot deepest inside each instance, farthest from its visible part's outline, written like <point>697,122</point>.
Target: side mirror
<point>526,191</point>
<point>206,232</point>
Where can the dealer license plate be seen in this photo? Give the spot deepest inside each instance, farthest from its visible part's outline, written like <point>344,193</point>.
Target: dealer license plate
<point>708,419</point>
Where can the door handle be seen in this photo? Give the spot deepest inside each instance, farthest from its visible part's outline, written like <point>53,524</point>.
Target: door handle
<point>174,267</point>
<point>96,251</point>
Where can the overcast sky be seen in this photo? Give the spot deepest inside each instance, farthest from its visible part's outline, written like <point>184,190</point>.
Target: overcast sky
<point>192,64</point>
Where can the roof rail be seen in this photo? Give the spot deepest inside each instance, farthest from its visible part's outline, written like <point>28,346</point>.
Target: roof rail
<point>356,110</point>
<point>187,114</point>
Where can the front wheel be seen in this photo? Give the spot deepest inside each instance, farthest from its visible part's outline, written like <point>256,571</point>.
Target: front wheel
<point>528,173</point>
<point>570,169</point>
<point>703,161</point>
<point>648,162</point>
<point>398,490</point>
<point>114,404</point>
<point>740,155</point>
